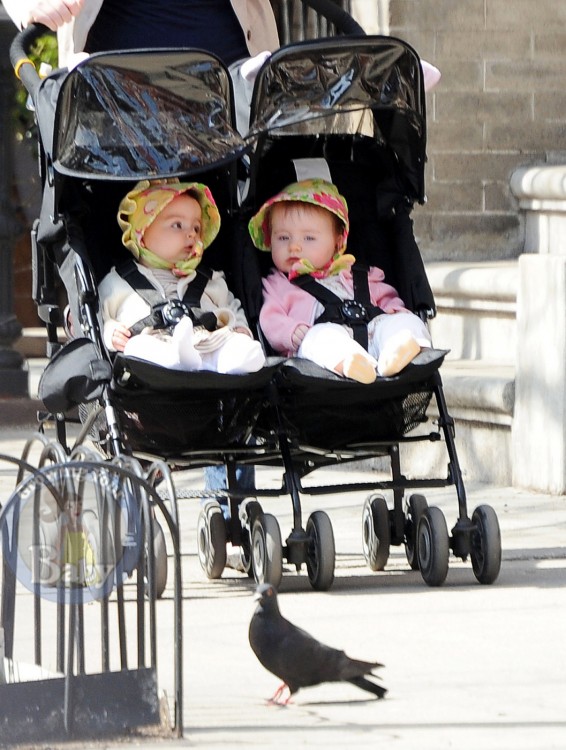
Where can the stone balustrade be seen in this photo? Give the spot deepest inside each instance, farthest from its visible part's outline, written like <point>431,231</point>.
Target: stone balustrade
<point>539,424</point>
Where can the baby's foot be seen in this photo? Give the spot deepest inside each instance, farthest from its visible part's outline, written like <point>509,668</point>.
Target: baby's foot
<point>359,367</point>
<point>398,351</point>
<point>239,355</point>
<point>189,358</point>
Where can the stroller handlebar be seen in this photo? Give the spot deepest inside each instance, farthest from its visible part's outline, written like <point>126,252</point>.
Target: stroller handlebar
<point>342,20</point>
<point>28,75</point>
<point>19,51</point>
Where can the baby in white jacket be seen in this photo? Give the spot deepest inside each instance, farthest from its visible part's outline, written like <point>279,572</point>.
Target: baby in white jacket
<point>167,224</point>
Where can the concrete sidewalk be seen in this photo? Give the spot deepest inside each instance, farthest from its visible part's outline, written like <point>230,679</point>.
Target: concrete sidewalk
<point>466,665</point>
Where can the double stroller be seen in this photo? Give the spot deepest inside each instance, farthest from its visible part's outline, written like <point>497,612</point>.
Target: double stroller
<point>354,104</point>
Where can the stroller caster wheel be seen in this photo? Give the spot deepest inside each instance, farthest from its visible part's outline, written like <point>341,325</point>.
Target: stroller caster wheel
<point>267,550</point>
<point>376,534</point>
<point>433,547</point>
<point>247,554</point>
<point>416,507</point>
<point>211,539</point>
<point>159,560</point>
<point>321,553</point>
<point>486,544</point>
<point>248,512</point>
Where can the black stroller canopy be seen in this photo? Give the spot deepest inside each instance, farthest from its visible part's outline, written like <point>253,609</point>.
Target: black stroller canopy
<point>145,114</point>
<point>369,86</point>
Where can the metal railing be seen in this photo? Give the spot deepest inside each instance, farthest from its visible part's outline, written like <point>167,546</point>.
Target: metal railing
<point>297,22</point>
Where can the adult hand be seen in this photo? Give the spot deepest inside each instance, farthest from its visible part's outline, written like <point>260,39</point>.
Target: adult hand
<point>51,13</point>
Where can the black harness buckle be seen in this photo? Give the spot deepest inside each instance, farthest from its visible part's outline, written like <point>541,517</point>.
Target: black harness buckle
<point>172,312</point>
<point>353,311</point>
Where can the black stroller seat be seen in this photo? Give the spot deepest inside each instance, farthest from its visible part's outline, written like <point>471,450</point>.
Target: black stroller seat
<point>358,106</point>
<point>114,120</point>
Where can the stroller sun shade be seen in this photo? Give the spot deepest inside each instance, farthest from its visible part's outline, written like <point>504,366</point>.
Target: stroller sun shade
<point>369,86</point>
<point>145,114</point>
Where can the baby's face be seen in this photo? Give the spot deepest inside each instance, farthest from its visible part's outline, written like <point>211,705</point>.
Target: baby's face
<point>174,233</point>
<point>302,231</point>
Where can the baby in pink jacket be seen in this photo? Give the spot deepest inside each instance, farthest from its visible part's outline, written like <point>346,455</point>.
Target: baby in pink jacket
<point>305,227</point>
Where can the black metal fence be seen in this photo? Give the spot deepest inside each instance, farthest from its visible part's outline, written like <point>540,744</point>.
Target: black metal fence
<point>296,21</point>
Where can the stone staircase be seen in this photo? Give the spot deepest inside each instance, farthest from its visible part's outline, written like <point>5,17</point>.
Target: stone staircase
<point>505,323</point>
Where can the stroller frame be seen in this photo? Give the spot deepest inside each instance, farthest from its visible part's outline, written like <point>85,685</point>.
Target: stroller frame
<point>400,128</point>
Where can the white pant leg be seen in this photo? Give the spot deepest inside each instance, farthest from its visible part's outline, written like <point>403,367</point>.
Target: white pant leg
<point>157,348</point>
<point>328,344</point>
<point>183,334</point>
<point>385,326</point>
<point>238,355</point>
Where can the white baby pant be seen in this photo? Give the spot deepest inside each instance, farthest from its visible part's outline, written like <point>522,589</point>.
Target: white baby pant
<point>328,344</point>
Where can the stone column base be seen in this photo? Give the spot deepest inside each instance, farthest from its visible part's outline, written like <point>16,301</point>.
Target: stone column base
<point>538,435</point>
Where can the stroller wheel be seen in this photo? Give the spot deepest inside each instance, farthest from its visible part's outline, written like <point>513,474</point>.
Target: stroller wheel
<point>248,512</point>
<point>321,553</point>
<point>211,539</point>
<point>160,556</point>
<point>415,508</point>
<point>267,550</point>
<point>432,546</point>
<point>159,561</point>
<point>376,534</point>
<point>247,554</point>
<point>486,544</point>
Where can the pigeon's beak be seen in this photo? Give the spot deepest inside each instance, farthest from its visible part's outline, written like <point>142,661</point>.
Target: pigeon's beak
<point>257,597</point>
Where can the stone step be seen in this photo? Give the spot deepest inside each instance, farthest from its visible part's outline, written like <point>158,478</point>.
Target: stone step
<point>480,399</point>
<point>477,308</point>
<point>479,391</point>
<point>33,342</point>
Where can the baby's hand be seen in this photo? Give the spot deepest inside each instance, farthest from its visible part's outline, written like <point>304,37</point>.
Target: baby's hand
<point>120,337</point>
<point>241,329</point>
<point>298,335</point>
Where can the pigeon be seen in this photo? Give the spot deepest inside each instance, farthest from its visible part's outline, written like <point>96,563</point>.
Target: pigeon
<point>296,657</point>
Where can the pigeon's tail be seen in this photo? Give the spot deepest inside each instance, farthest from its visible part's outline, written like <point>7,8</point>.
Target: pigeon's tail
<point>371,687</point>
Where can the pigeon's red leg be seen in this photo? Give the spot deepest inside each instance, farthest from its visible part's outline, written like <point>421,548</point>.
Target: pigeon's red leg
<point>276,697</point>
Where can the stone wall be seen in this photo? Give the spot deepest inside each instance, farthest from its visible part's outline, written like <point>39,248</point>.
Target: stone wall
<point>501,104</point>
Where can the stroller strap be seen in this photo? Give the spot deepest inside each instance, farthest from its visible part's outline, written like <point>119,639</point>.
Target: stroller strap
<point>166,314</point>
<point>355,313</point>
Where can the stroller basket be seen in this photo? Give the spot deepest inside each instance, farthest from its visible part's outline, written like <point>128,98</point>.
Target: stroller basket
<point>170,413</point>
<point>367,414</point>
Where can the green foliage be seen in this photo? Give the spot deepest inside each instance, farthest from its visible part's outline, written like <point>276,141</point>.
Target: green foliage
<point>44,50</point>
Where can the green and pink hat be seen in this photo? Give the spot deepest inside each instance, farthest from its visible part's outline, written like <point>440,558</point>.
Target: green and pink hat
<point>141,205</point>
<point>317,192</point>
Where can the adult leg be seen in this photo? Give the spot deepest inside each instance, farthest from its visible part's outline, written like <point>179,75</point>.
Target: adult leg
<point>215,478</point>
